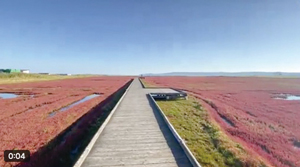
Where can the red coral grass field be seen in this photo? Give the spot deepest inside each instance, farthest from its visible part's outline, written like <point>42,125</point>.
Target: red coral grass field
<point>34,118</point>
<point>249,109</point>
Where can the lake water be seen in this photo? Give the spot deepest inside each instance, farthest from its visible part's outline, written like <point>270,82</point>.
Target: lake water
<point>227,121</point>
<point>80,101</point>
<point>287,97</point>
<point>89,97</point>
<point>8,95</point>
<point>292,97</point>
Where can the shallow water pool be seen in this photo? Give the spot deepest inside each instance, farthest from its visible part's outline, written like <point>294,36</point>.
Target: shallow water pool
<point>8,95</point>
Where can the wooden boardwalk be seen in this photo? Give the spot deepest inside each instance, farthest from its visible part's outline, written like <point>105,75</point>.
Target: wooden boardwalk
<point>136,136</point>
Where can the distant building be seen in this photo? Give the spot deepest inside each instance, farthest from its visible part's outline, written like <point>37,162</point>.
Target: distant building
<point>65,74</point>
<point>45,73</point>
<point>14,71</point>
<point>11,70</point>
<point>25,71</point>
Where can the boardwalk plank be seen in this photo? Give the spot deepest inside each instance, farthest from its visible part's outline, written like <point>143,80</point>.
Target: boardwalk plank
<point>136,136</point>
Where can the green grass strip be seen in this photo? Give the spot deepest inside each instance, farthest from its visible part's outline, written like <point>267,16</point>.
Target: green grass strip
<point>203,138</point>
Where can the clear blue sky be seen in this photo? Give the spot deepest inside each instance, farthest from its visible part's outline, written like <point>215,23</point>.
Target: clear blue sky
<point>142,36</point>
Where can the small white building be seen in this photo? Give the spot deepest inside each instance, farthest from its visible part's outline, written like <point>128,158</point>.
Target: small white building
<point>65,74</point>
<point>25,71</point>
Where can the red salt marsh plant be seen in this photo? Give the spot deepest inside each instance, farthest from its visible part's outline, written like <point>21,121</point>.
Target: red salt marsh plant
<point>26,122</point>
<point>247,110</point>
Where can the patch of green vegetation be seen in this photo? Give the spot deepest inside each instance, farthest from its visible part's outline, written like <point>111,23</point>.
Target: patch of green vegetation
<point>208,143</point>
<point>146,85</point>
<point>9,78</point>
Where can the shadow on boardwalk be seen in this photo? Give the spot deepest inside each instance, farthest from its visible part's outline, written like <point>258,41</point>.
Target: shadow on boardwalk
<point>66,147</point>
<point>177,151</point>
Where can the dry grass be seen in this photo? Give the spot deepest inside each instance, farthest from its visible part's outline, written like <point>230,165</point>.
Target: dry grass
<point>146,85</point>
<point>20,77</point>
